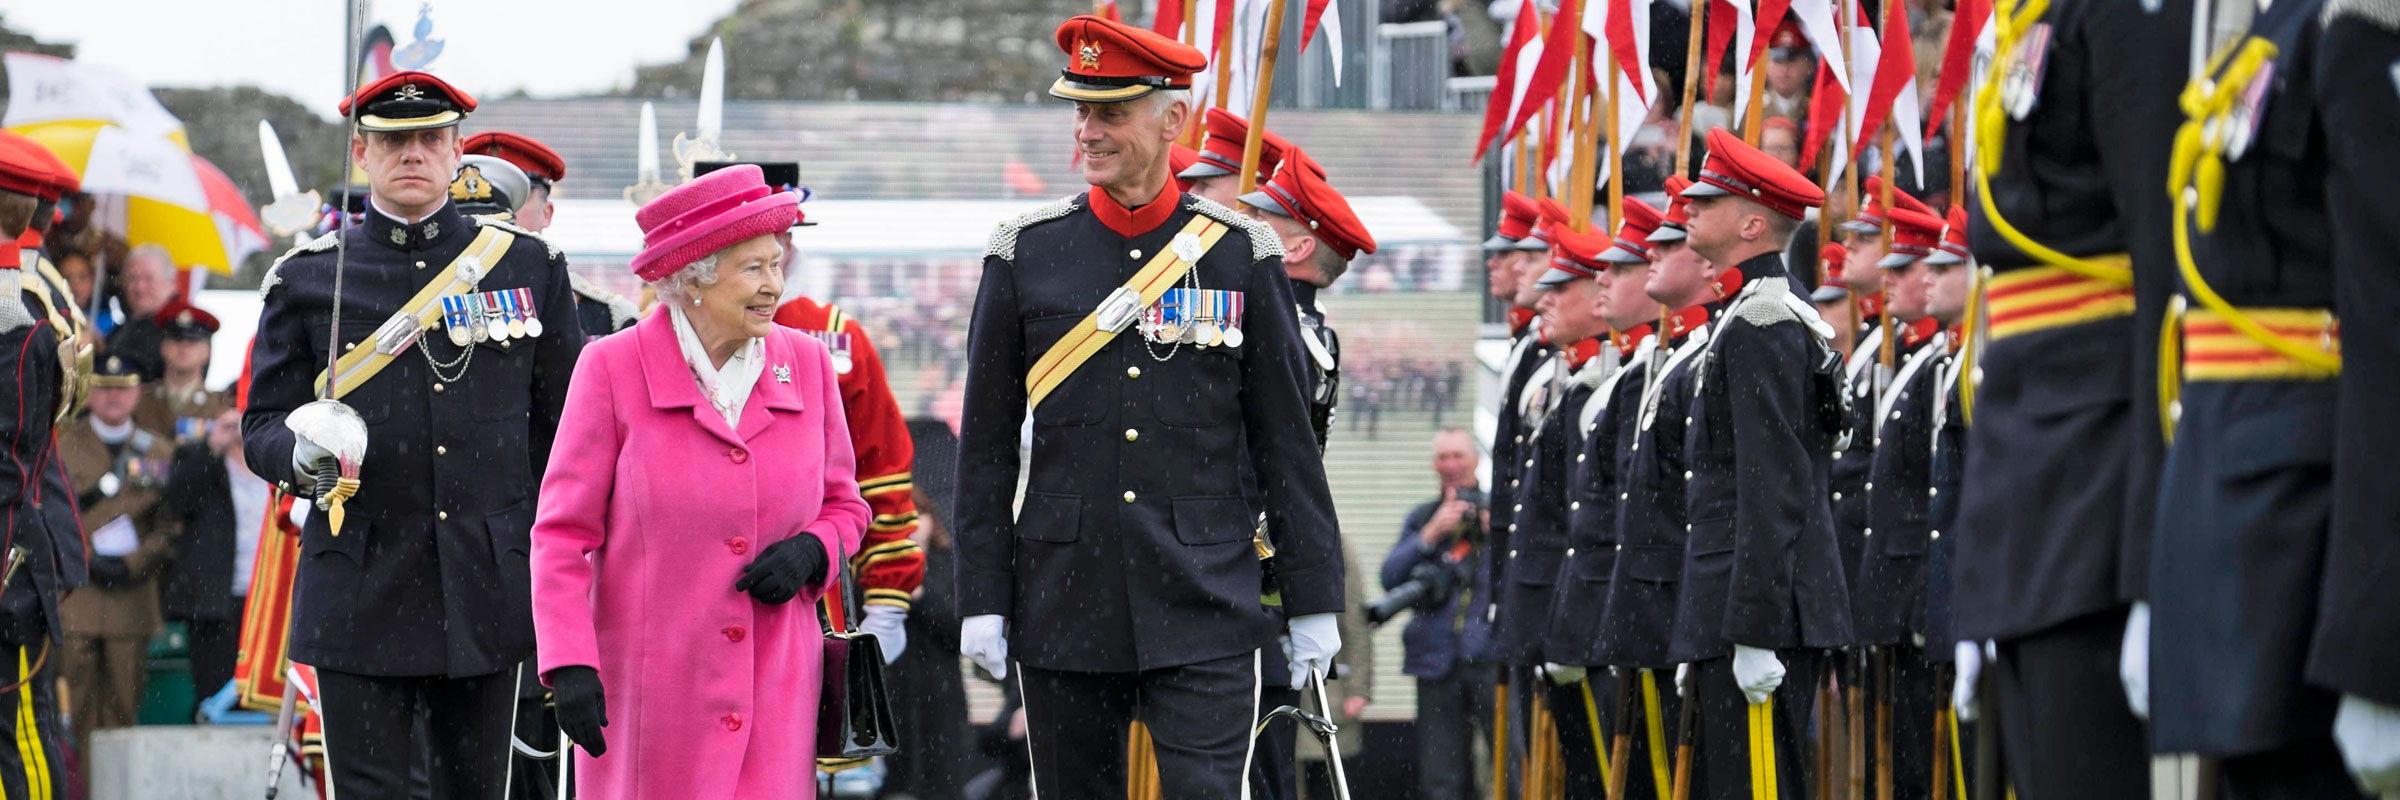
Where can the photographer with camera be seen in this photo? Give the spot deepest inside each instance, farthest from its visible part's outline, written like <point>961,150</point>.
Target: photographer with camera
<point>1435,570</point>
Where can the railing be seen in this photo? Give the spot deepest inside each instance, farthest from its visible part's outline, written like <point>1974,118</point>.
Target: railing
<point>1408,66</point>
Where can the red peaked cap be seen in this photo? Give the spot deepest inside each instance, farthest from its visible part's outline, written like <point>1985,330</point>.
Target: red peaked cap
<point>1953,248</point>
<point>1632,245</point>
<point>182,320</point>
<point>535,158</point>
<point>1299,191</point>
<point>24,169</point>
<point>1112,62</point>
<point>1870,216</point>
<point>1221,152</point>
<point>1180,158</point>
<point>1829,261</point>
<point>62,177</point>
<point>1678,217</point>
<point>1737,169</point>
<point>1576,255</point>
<point>1516,215</point>
<point>1913,236</point>
<point>408,100</point>
<point>1551,218</point>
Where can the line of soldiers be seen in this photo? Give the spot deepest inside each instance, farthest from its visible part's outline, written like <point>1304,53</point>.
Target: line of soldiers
<point>2096,473</point>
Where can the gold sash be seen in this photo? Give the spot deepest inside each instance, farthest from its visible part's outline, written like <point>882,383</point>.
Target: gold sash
<point>1087,337</point>
<point>354,368</point>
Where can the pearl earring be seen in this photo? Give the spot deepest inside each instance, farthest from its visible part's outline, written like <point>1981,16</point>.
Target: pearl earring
<point>695,301</point>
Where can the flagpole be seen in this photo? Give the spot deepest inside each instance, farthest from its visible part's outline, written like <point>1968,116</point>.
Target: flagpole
<point>1758,102</point>
<point>1606,87</point>
<point>1225,58</point>
<point>1258,103</point>
<point>1537,185</point>
<point>1198,128</point>
<point>1691,87</point>
<point>1884,359</point>
<point>1577,102</point>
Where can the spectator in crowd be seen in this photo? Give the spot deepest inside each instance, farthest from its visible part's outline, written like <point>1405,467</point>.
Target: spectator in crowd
<point>1780,137</point>
<point>76,266</point>
<point>1791,71</point>
<point>117,470</point>
<point>1350,688</point>
<point>220,506</point>
<point>929,695</point>
<point>1441,542</point>
<point>178,403</point>
<point>149,282</point>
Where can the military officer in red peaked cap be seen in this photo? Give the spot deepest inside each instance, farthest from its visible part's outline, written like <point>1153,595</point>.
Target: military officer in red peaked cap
<point>1145,330</point>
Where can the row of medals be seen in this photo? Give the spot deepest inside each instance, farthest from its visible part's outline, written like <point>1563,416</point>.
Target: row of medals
<point>489,322</point>
<point>1204,332</point>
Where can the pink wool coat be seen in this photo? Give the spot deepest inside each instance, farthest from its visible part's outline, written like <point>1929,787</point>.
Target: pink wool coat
<point>649,511</point>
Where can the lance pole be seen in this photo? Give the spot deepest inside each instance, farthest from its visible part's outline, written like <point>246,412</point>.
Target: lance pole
<point>1252,144</point>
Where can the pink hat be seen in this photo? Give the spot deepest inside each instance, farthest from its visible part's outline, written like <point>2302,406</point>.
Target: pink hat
<point>712,212</point>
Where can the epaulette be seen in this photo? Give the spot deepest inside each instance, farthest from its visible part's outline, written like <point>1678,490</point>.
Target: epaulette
<point>1764,305</point>
<point>1263,241</point>
<point>511,227</point>
<point>316,245</point>
<point>13,314</point>
<point>2383,14</point>
<point>1004,236</point>
<point>621,312</point>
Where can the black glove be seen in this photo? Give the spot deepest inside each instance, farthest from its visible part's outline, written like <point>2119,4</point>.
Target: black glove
<point>109,572</point>
<point>582,707</point>
<point>783,569</point>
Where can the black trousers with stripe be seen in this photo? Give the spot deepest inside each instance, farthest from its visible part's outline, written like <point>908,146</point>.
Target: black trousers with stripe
<point>1199,717</point>
<point>1723,747</point>
<point>29,765</point>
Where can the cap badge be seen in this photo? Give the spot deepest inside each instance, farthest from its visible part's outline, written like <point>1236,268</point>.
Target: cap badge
<point>1087,54</point>
<point>409,91</point>
<point>471,185</point>
<point>183,317</point>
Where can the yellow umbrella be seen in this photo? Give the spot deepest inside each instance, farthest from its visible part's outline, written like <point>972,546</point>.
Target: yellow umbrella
<point>155,191</point>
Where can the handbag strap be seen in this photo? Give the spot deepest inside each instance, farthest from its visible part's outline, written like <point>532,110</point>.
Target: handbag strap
<point>846,609</point>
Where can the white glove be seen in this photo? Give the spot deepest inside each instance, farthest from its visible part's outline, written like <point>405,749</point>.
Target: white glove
<point>1968,657</point>
<point>1311,643</point>
<point>890,626</point>
<point>1757,671</point>
<point>2368,734</point>
<point>983,638</point>
<point>2133,666</point>
<point>1683,686</point>
<point>305,455</point>
<point>1563,674</point>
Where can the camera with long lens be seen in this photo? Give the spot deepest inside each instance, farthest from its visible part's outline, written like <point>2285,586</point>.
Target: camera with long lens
<point>1430,582</point>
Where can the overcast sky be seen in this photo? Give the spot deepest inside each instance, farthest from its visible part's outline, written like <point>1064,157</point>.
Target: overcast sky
<point>294,47</point>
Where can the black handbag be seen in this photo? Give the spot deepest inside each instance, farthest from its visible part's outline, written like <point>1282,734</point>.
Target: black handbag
<point>854,713</point>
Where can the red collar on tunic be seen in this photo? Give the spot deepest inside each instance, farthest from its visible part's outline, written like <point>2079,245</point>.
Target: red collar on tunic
<point>1915,333</point>
<point>1728,284</point>
<point>1682,323</point>
<point>1130,223</point>
<point>1582,351</point>
<point>1627,341</point>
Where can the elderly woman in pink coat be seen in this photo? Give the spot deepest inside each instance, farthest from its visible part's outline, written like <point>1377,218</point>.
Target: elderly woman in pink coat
<point>700,486</point>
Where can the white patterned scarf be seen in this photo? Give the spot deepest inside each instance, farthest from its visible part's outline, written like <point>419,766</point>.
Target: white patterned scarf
<point>727,389</point>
